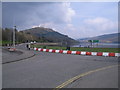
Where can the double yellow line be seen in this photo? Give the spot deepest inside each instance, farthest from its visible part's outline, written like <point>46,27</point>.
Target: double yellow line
<point>82,75</point>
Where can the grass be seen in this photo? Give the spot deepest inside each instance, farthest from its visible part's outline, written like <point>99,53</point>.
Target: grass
<point>114,50</point>
<point>4,43</point>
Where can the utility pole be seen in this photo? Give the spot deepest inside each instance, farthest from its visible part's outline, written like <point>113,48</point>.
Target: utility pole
<point>14,36</point>
<point>13,49</point>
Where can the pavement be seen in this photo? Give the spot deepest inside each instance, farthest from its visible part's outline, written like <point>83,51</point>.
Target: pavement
<point>49,70</point>
<point>12,56</point>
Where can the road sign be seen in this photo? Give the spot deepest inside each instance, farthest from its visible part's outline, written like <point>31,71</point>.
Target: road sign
<point>95,41</point>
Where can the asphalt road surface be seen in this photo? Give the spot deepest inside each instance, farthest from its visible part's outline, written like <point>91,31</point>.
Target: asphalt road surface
<point>51,70</point>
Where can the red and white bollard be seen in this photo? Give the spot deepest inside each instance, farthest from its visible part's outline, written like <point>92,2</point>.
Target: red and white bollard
<point>12,49</point>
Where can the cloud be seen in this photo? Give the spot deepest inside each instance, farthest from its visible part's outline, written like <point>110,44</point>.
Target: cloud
<point>26,15</point>
<point>73,19</point>
<point>98,26</point>
<point>101,23</point>
<point>68,12</point>
<point>90,27</point>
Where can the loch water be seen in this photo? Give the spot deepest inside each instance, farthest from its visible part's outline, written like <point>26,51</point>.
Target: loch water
<point>98,45</point>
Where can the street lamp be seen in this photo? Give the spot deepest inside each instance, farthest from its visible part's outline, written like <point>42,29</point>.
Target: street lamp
<point>13,49</point>
<point>14,36</point>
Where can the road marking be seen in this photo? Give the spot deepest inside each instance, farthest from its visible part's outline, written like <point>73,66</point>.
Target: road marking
<point>82,75</point>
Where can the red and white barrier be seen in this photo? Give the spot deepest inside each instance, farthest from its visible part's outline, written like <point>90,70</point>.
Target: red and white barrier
<point>50,50</point>
<point>94,53</point>
<point>83,53</point>
<point>57,51</point>
<point>105,53</point>
<point>79,52</point>
<point>12,49</point>
<point>73,52</point>
<point>65,51</point>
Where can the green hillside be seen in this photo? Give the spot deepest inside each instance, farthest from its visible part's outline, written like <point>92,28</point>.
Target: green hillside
<point>49,35</point>
<point>39,34</point>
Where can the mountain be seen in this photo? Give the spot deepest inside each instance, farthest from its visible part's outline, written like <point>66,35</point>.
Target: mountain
<point>48,35</point>
<point>112,38</point>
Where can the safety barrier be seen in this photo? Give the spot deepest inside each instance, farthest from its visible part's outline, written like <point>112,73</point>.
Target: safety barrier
<point>79,52</point>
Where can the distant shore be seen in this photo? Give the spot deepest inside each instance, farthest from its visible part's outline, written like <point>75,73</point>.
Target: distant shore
<point>98,45</point>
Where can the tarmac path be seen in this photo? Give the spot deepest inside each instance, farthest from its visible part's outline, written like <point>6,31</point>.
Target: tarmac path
<point>53,70</point>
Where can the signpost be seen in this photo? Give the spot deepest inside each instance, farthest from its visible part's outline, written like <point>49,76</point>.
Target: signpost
<point>90,42</point>
<point>93,41</point>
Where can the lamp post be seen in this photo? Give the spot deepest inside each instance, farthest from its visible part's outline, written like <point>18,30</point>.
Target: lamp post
<point>14,36</point>
<point>13,48</point>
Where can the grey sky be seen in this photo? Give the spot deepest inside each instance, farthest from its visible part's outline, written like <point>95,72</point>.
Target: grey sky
<point>76,19</point>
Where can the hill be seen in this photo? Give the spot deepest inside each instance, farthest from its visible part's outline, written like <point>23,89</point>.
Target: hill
<point>112,38</point>
<point>48,35</point>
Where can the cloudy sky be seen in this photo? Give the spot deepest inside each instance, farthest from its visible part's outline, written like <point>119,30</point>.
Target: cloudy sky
<point>75,19</point>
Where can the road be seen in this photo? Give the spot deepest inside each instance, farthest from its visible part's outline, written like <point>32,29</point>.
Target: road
<point>51,70</point>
